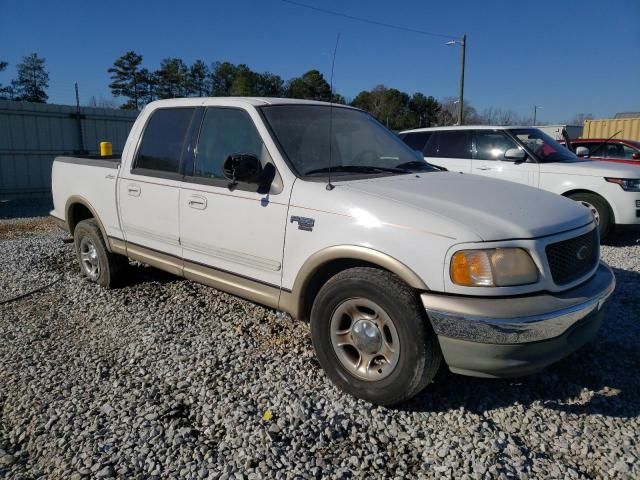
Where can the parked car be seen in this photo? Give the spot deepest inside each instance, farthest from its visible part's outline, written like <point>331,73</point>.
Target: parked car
<point>320,211</point>
<point>608,149</point>
<point>529,156</point>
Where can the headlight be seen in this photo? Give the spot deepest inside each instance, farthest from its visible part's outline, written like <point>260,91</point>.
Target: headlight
<point>495,267</point>
<point>627,184</point>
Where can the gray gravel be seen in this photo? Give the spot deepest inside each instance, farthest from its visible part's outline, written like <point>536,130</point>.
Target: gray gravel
<point>165,378</point>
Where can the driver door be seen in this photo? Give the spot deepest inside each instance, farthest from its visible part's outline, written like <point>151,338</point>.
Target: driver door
<point>488,159</point>
<point>232,237</point>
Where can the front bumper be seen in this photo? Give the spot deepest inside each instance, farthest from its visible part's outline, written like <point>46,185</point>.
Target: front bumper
<point>498,337</point>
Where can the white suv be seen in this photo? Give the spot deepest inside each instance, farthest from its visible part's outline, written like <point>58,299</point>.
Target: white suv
<point>530,156</point>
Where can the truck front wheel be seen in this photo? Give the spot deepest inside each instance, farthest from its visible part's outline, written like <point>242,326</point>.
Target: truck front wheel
<point>96,262</point>
<point>372,337</point>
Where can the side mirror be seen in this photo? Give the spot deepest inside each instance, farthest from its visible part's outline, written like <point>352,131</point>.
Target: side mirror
<point>635,156</point>
<point>582,151</point>
<point>242,167</point>
<point>246,168</point>
<point>515,154</point>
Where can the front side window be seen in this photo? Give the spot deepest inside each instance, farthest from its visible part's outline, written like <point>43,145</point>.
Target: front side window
<point>449,144</point>
<point>545,148</point>
<point>319,138</point>
<point>492,145</point>
<point>163,140</point>
<point>224,132</point>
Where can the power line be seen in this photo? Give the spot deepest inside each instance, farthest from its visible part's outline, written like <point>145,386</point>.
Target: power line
<point>372,22</point>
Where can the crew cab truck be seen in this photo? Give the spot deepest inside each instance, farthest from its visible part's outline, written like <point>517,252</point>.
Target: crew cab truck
<point>319,211</point>
<point>529,156</point>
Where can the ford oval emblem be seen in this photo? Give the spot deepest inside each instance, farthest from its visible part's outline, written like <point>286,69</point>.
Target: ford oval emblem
<point>582,252</point>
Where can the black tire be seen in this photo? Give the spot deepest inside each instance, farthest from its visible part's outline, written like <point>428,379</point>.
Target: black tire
<point>601,206</point>
<point>419,352</point>
<point>109,264</point>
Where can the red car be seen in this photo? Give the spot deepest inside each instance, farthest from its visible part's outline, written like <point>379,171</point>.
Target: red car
<point>610,150</point>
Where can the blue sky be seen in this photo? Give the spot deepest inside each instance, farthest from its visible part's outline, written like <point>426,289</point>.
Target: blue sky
<point>568,57</point>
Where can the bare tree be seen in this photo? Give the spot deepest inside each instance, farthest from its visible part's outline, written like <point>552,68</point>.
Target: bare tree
<point>102,102</point>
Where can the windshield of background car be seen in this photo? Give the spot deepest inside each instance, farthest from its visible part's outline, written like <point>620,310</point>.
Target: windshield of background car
<point>356,143</point>
<point>543,146</point>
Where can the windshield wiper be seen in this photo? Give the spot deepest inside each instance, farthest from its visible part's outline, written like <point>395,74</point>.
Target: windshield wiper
<point>419,165</point>
<point>356,169</point>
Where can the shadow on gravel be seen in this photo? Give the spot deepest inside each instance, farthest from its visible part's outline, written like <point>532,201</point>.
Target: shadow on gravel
<point>137,273</point>
<point>623,239</point>
<point>600,378</point>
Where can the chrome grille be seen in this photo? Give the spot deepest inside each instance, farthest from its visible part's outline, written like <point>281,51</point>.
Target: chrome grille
<point>572,258</point>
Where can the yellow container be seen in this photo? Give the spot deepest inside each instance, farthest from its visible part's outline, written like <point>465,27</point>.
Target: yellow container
<point>629,128</point>
<point>106,149</point>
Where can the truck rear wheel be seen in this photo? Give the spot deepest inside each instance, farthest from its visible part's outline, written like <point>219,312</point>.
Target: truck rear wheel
<point>599,208</point>
<point>96,262</point>
<point>372,336</point>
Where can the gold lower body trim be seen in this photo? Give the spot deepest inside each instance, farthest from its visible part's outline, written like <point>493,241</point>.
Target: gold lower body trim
<point>227,282</point>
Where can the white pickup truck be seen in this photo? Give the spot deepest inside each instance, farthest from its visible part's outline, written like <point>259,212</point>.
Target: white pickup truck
<point>320,211</point>
<point>528,155</point>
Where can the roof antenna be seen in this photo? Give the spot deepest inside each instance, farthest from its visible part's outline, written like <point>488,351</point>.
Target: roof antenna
<point>330,186</point>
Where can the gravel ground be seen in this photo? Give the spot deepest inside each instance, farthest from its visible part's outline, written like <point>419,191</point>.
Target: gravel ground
<point>165,378</point>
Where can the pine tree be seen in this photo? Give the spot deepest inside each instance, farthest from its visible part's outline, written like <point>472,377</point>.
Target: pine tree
<point>147,86</point>
<point>32,80</point>
<point>172,78</point>
<point>222,77</point>
<point>199,79</point>
<point>6,92</point>
<point>311,86</point>
<point>125,79</point>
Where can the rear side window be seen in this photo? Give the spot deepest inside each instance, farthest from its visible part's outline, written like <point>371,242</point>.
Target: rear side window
<point>163,140</point>
<point>416,140</point>
<point>451,144</point>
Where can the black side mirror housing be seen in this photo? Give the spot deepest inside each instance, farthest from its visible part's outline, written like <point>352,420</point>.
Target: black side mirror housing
<point>246,168</point>
<point>242,167</point>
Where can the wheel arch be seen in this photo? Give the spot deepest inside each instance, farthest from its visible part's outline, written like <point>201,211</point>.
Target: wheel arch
<point>326,263</point>
<point>568,193</point>
<point>79,208</point>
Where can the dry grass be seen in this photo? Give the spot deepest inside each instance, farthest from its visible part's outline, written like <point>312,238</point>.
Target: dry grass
<point>23,228</point>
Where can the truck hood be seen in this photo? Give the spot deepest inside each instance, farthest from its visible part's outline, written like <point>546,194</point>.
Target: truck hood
<point>492,209</point>
<point>592,168</point>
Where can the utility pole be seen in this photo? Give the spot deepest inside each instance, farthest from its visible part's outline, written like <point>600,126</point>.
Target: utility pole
<point>79,117</point>
<point>535,113</point>
<point>463,45</point>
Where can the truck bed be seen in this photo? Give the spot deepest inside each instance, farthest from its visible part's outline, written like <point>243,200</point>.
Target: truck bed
<point>111,161</point>
<point>88,180</point>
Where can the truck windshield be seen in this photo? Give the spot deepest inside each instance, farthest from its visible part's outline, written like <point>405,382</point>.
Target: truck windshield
<point>356,143</point>
<point>543,146</point>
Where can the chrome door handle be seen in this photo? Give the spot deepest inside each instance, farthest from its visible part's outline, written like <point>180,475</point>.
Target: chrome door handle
<point>484,168</point>
<point>197,202</point>
<point>133,190</point>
